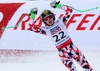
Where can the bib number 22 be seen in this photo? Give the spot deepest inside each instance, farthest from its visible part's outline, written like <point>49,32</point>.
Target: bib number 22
<point>60,36</point>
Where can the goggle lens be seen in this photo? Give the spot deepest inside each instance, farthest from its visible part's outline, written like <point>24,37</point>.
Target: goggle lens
<point>48,17</point>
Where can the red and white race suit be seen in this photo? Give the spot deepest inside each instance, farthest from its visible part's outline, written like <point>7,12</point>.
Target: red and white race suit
<point>67,50</point>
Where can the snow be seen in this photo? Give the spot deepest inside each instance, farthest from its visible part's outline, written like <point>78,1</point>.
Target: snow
<point>46,62</point>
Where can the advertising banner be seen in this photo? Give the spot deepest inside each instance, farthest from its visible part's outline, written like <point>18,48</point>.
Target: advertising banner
<point>83,24</point>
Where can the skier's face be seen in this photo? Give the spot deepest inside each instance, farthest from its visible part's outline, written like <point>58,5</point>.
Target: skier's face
<point>49,20</point>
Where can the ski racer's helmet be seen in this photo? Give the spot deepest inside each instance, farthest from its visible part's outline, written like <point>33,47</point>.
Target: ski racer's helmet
<point>46,13</point>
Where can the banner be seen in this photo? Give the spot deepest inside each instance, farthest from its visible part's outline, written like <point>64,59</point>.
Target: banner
<point>6,13</point>
<point>83,25</point>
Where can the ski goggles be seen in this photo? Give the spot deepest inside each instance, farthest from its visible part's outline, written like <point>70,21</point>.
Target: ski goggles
<point>46,18</point>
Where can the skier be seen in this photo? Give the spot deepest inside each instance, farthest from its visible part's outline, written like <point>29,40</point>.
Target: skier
<point>57,31</point>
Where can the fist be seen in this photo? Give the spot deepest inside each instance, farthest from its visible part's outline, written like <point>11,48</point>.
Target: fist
<point>33,11</point>
<point>54,3</point>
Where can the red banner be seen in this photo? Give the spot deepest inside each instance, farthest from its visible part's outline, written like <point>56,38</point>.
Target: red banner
<point>7,10</point>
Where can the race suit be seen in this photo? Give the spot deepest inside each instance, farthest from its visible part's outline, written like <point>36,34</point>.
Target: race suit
<point>67,50</point>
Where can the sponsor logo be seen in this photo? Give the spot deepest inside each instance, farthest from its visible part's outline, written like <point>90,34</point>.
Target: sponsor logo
<point>81,22</point>
<point>55,30</point>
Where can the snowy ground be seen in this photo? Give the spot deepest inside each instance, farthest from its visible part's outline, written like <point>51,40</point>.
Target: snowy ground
<point>45,61</point>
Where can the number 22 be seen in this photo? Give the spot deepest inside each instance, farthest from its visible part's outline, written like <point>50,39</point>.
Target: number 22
<point>62,36</point>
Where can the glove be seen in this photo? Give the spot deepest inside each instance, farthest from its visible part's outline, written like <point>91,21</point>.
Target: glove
<point>36,29</point>
<point>33,13</point>
<point>55,4</point>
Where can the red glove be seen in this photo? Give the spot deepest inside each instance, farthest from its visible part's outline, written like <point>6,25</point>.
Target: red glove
<point>36,28</point>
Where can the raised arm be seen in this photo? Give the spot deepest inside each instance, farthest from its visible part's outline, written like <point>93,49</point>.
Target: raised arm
<point>68,10</point>
<point>32,27</point>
